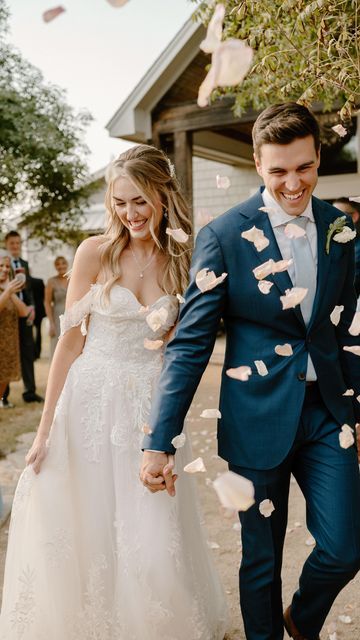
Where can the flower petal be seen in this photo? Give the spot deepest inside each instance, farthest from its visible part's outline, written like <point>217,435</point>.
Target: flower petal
<point>340,130</point>
<point>240,373</point>
<point>345,235</point>
<point>153,345</point>
<point>267,209</point>
<point>346,437</point>
<point>261,367</point>
<point>256,236</point>
<point>210,413</point>
<point>284,349</point>
<point>234,491</point>
<point>178,235</point>
<point>293,297</point>
<point>146,429</point>
<point>271,267</point>
<point>207,280</point>
<point>265,286</point>
<point>266,508</point>
<point>355,199</point>
<point>355,350</point>
<point>222,182</point>
<point>214,30</point>
<point>196,466</point>
<point>51,14</point>
<point>231,60</point>
<point>179,441</point>
<point>293,231</point>
<point>336,313</point>
<point>345,619</point>
<point>354,328</point>
<point>117,3</point>
<point>282,265</point>
<point>349,392</point>
<point>157,318</point>
<point>206,87</point>
<point>180,298</point>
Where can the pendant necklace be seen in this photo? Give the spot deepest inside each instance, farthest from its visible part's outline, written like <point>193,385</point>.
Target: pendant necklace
<point>142,269</point>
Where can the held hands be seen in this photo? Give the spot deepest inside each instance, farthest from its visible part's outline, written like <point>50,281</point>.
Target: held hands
<point>156,472</point>
<point>37,453</point>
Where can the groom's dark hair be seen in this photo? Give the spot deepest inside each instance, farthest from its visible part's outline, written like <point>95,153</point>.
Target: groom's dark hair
<point>283,123</point>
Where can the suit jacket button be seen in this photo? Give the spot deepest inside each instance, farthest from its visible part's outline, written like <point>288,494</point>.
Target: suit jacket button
<point>301,376</point>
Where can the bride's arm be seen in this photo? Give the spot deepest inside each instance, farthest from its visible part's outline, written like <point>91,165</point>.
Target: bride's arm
<point>84,273</point>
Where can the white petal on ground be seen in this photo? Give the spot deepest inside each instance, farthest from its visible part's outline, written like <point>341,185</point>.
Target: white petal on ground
<point>265,286</point>
<point>180,298</point>
<point>153,345</point>
<point>349,392</point>
<point>240,373</point>
<point>345,235</point>
<point>210,413</point>
<point>222,182</point>
<point>196,466</point>
<point>207,280</point>
<point>340,130</point>
<point>336,313</point>
<point>293,231</point>
<point>261,367</point>
<point>354,329</point>
<point>256,236</point>
<point>213,545</point>
<point>146,429</point>
<point>51,14</point>
<point>346,437</point>
<point>178,235</point>
<point>345,619</point>
<point>355,350</point>
<point>284,349</point>
<point>267,209</point>
<point>266,508</point>
<point>234,491</point>
<point>214,30</point>
<point>333,636</point>
<point>157,318</point>
<point>355,199</point>
<point>179,441</point>
<point>310,542</point>
<point>293,297</point>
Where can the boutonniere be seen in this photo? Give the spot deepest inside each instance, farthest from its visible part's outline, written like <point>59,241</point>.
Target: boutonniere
<point>339,232</point>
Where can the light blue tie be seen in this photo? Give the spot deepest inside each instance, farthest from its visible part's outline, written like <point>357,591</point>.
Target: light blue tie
<point>305,276</point>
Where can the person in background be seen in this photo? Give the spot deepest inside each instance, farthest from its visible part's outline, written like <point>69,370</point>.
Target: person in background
<point>55,294</point>
<point>38,288</point>
<point>13,246</point>
<point>11,307</point>
<point>345,205</point>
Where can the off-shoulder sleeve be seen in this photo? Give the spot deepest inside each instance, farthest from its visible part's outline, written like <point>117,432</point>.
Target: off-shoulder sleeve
<point>77,314</point>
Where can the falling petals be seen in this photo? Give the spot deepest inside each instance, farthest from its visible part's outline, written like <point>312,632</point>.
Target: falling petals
<point>180,298</point>
<point>284,349</point>
<point>256,236</point>
<point>214,30</point>
<point>230,63</point>
<point>355,350</point>
<point>157,318</point>
<point>153,345</point>
<point>51,14</point>
<point>222,182</point>
<point>293,297</point>
<point>213,545</point>
<point>310,542</point>
<point>210,413</point>
<point>117,3</point>
<point>267,209</point>
<point>266,508</point>
<point>293,231</point>
<point>196,466</point>
<point>354,328</point>
<point>345,619</point>
<point>271,267</point>
<point>265,286</point>
<point>355,199</point>
<point>336,313</point>
<point>207,280</point>
<point>346,437</point>
<point>340,130</point>
<point>240,373</point>
<point>349,392</point>
<point>178,235</point>
<point>234,491</point>
<point>147,429</point>
<point>261,367</point>
<point>281,265</point>
<point>179,441</point>
<point>345,235</point>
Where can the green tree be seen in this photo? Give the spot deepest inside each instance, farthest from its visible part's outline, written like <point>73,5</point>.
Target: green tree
<point>43,172</point>
<point>304,51</point>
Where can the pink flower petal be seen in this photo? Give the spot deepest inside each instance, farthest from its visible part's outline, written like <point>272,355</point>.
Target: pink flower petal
<point>354,328</point>
<point>293,297</point>
<point>51,14</point>
<point>153,345</point>
<point>256,236</point>
<point>349,392</point>
<point>355,198</point>
<point>267,209</point>
<point>179,441</point>
<point>345,619</point>
<point>271,267</point>
<point>345,235</point>
<point>180,298</point>
<point>340,130</point>
<point>214,30</point>
<point>282,265</point>
<point>117,3</point>
<point>266,508</point>
<point>310,541</point>
<point>207,280</point>
<point>293,231</point>
<point>336,313</point>
<point>284,349</point>
<point>222,182</point>
<point>346,437</point>
<point>265,286</point>
<point>240,373</point>
<point>234,491</point>
<point>355,350</point>
<point>210,413</point>
<point>178,235</point>
<point>146,429</point>
<point>196,466</point>
<point>230,63</point>
<point>206,87</point>
<point>261,367</point>
<point>213,545</point>
<point>157,318</point>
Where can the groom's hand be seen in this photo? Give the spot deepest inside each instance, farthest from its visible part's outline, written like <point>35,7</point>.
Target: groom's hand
<point>156,472</point>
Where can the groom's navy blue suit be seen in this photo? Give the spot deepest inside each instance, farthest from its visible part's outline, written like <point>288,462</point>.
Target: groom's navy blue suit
<point>275,424</point>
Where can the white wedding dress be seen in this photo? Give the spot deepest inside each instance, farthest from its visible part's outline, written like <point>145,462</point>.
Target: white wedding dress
<point>92,554</point>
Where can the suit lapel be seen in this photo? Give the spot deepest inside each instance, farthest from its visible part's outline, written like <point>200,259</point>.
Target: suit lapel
<point>323,259</point>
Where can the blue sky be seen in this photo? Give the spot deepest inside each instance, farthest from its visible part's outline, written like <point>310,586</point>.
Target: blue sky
<point>97,53</point>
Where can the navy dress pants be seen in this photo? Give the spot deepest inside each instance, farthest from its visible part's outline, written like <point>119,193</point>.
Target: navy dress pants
<point>329,479</point>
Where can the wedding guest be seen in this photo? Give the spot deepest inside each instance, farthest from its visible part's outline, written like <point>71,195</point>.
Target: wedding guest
<point>27,351</point>
<point>38,287</point>
<point>55,295</point>
<point>11,307</point>
<point>345,205</point>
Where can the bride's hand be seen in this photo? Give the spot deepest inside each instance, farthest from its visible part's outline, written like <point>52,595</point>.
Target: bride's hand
<point>37,453</point>
<point>156,472</point>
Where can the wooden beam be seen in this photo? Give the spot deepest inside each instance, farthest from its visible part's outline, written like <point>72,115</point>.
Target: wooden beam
<point>183,163</point>
<point>190,117</point>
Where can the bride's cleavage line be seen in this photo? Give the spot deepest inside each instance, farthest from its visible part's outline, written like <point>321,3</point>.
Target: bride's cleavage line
<point>151,304</point>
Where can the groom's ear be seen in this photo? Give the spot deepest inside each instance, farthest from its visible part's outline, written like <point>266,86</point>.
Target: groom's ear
<point>257,164</point>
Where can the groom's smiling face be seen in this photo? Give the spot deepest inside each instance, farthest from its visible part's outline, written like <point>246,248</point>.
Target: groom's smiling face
<point>289,172</point>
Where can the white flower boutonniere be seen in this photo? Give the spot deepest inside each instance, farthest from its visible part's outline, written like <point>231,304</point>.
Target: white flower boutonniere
<point>339,232</point>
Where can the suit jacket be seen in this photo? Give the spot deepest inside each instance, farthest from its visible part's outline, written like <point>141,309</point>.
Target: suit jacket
<point>38,290</point>
<point>28,295</point>
<point>260,417</point>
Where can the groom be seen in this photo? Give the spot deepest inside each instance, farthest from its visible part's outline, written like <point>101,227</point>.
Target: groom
<point>289,420</point>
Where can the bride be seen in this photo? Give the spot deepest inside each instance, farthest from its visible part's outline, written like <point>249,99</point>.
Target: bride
<point>92,555</point>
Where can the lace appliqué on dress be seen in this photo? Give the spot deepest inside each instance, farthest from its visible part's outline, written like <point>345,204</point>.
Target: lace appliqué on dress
<point>23,613</point>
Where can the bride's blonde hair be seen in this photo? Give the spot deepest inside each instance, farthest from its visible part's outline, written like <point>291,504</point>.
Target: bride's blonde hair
<point>152,173</point>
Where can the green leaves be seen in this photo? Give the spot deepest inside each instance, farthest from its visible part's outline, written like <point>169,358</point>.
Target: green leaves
<point>334,227</point>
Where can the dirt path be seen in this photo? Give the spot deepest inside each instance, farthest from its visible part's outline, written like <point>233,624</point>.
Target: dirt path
<point>224,532</point>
